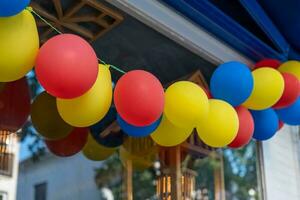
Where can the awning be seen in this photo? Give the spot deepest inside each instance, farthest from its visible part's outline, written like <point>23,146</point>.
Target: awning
<point>277,20</point>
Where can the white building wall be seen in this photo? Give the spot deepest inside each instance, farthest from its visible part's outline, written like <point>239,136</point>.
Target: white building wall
<point>8,185</point>
<point>67,178</point>
<point>281,162</point>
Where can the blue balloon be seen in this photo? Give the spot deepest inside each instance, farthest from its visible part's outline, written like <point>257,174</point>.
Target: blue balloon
<point>12,7</point>
<point>291,114</point>
<point>111,139</point>
<point>265,123</point>
<point>136,131</point>
<point>232,82</point>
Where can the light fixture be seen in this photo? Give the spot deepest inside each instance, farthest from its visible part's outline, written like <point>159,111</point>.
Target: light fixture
<point>164,184</point>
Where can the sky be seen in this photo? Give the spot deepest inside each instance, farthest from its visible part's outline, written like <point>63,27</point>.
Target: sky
<point>24,152</point>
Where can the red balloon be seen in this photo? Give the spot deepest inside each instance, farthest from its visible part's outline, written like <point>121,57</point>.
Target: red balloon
<point>290,92</point>
<point>69,145</point>
<point>273,63</point>
<point>280,124</point>
<point>246,128</point>
<point>14,105</point>
<point>139,98</point>
<point>66,66</point>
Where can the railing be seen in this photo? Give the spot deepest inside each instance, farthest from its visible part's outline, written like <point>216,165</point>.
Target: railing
<point>6,164</point>
<point>6,153</point>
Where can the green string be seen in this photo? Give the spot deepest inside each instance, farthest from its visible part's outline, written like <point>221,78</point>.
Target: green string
<point>30,9</point>
<point>112,66</point>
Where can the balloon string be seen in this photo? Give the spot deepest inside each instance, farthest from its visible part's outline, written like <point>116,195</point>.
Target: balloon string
<point>112,66</point>
<point>30,9</point>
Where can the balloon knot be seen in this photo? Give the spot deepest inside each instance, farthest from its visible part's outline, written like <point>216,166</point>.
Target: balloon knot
<point>29,8</point>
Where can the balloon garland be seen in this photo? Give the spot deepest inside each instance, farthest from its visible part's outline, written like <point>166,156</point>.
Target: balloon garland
<point>240,105</point>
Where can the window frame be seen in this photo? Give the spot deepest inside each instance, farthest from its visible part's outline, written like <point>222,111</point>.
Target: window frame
<point>44,186</point>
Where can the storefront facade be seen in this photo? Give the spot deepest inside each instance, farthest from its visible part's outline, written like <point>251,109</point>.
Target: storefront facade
<point>214,37</point>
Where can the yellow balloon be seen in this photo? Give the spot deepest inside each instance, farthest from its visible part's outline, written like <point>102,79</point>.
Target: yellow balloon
<point>91,107</point>
<point>267,90</point>
<point>46,119</point>
<point>92,150</point>
<point>167,134</point>
<point>138,163</point>
<point>292,67</point>
<point>185,104</point>
<point>221,126</point>
<point>19,45</point>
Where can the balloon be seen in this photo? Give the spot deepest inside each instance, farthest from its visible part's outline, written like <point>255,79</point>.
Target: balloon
<point>268,88</point>
<point>138,163</point>
<point>66,66</point>
<point>110,139</point>
<point>106,132</point>
<point>232,82</point>
<point>221,125</point>
<point>91,107</point>
<point>69,145</point>
<point>19,45</point>
<point>169,135</point>
<point>12,7</point>
<point>246,128</point>
<point>186,104</point>
<point>92,150</point>
<point>291,114</point>
<point>108,119</point>
<point>265,124</point>
<point>137,131</point>
<point>292,67</point>
<point>139,98</point>
<point>290,92</point>
<point>46,119</point>
<point>273,63</point>
<point>14,105</point>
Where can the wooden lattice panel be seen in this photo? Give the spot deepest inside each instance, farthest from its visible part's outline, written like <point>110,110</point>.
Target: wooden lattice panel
<point>198,78</point>
<point>88,18</point>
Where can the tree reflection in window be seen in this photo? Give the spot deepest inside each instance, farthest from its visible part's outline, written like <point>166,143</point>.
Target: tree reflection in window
<point>240,175</point>
<point>240,170</point>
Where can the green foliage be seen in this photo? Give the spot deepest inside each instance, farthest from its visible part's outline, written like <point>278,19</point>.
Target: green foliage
<point>110,175</point>
<point>239,171</point>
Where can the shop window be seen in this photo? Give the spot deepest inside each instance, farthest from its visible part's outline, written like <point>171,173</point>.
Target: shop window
<point>40,191</point>
<point>3,196</point>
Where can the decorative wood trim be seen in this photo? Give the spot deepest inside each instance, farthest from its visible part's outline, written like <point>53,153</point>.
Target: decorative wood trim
<point>127,187</point>
<point>72,19</point>
<point>176,190</point>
